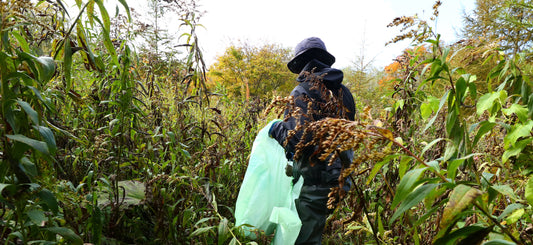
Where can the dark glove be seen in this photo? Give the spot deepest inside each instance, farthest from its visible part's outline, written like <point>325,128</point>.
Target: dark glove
<point>288,170</point>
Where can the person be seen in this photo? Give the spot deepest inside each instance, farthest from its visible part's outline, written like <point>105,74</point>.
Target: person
<point>313,63</point>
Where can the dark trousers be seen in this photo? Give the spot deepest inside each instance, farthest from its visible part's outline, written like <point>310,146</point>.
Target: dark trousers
<point>311,207</point>
<point>312,202</point>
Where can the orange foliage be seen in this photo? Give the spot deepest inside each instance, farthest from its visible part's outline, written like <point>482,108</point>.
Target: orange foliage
<point>395,71</point>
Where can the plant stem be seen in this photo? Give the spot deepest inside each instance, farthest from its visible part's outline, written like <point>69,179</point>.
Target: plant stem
<point>498,224</point>
<point>414,156</point>
<point>372,225</point>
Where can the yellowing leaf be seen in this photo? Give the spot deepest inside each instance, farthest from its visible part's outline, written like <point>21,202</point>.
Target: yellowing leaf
<point>529,191</point>
<point>385,133</point>
<point>515,216</point>
<point>460,198</point>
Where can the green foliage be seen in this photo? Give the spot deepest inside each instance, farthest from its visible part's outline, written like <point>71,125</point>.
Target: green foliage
<point>91,155</point>
<point>470,183</point>
<point>109,144</point>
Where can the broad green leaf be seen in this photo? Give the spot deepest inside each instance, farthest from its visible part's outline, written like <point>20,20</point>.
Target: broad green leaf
<point>460,87</point>
<point>201,230</point>
<point>499,242</point>
<point>404,165</point>
<point>48,198</point>
<point>30,111</point>
<point>472,88</point>
<point>40,97</point>
<point>515,216</point>
<point>399,104</point>
<point>47,68</point>
<point>413,199</point>
<point>509,210</point>
<point>485,127</point>
<point>16,234</point>
<point>434,165</point>
<point>31,65</point>
<point>529,191</point>
<point>67,63</point>
<point>374,171</point>
<point>451,121</point>
<point>520,111</point>
<point>530,105</point>
<point>28,167</point>
<point>125,4</point>
<point>436,69</point>
<point>450,151</point>
<point>485,178</point>
<point>441,103</point>
<point>37,216</point>
<point>428,107</point>
<point>476,237</point>
<point>425,110</point>
<point>505,190</point>
<point>517,131</point>
<point>223,231</point>
<point>21,41</point>
<point>431,144</point>
<point>406,185</point>
<point>234,241</point>
<point>459,233</point>
<point>66,233</point>
<point>203,220</point>
<point>35,144</point>
<point>108,44</point>
<point>90,12</point>
<point>488,101</point>
<point>460,198</point>
<point>104,14</point>
<point>48,137</point>
<point>4,186</point>
<point>453,165</point>
<point>516,149</point>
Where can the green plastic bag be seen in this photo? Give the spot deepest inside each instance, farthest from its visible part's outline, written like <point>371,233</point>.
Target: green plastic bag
<point>266,197</point>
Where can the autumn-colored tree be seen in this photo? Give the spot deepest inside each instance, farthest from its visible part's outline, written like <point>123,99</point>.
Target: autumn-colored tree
<point>247,70</point>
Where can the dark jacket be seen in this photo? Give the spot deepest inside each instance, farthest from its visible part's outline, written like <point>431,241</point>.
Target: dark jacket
<point>332,79</point>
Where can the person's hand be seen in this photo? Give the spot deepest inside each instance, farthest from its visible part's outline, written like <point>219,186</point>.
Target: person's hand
<point>288,170</point>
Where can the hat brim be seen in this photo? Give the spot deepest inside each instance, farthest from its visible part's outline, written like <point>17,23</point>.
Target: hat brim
<point>299,61</point>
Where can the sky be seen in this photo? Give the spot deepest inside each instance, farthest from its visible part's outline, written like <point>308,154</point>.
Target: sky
<point>349,28</point>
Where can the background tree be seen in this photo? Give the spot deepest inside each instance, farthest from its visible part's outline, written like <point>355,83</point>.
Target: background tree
<point>250,71</point>
<point>508,22</point>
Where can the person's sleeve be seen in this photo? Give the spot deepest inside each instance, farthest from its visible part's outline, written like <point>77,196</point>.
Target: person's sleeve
<point>349,103</point>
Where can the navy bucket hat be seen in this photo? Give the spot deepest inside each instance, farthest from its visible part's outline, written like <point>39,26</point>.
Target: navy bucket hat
<point>308,49</point>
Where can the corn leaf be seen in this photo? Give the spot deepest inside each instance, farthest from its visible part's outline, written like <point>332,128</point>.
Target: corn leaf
<point>30,111</point>
<point>35,144</point>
